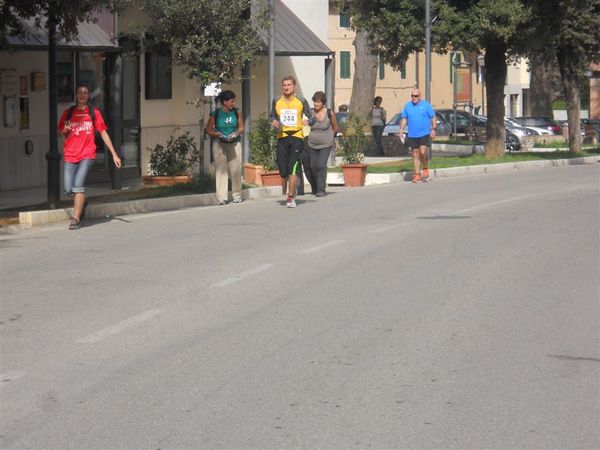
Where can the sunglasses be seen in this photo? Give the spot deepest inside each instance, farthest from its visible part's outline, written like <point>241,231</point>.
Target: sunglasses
<point>415,96</point>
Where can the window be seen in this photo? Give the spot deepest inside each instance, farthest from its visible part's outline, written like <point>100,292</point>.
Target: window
<point>403,70</point>
<point>381,68</point>
<point>344,19</point>
<point>158,76</point>
<point>65,79</point>
<point>345,65</point>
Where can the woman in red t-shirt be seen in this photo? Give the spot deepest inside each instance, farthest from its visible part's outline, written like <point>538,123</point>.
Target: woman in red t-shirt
<point>80,149</point>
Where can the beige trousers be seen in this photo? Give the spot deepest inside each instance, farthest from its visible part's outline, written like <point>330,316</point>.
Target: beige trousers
<point>228,158</point>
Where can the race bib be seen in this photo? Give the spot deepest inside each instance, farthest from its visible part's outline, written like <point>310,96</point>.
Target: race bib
<point>289,117</point>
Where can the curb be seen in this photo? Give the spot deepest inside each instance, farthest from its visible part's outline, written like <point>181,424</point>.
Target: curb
<point>37,218</point>
<point>385,178</point>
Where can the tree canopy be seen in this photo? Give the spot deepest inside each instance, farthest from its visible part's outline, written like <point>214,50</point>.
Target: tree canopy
<point>67,14</point>
<point>210,39</point>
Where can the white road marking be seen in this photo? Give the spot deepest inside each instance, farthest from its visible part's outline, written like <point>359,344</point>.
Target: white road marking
<point>518,198</point>
<point>120,326</point>
<point>7,377</point>
<point>320,247</point>
<point>387,228</point>
<point>241,276</point>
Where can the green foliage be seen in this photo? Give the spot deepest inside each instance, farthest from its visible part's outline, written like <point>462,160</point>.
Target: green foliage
<point>176,158</point>
<point>211,39</point>
<point>354,143</point>
<point>66,13</point>
<point>395,27</point>
<point>570,24</point>
<point>263,142</point>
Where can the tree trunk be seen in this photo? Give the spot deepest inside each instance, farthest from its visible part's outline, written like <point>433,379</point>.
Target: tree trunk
<point>540,88</point>
<point>365,76</point>
<point>568,74</point>
<point>495,66</point>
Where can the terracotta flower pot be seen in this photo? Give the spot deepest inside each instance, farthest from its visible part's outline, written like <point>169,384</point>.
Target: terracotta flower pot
<point>354,174</point>
<point>271,179</point>
<point>165,181</point>
<point>252,174</point>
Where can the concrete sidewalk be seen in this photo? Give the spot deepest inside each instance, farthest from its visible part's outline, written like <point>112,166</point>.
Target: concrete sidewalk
<point>36,218</point>
<point>37,196</point>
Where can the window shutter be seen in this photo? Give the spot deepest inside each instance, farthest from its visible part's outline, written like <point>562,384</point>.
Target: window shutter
<point>345,65</point>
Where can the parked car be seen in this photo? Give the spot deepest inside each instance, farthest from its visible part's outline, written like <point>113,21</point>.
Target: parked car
<point>546,123</point>
<point>466,123</point>
<point>342,118</point>
<point>591,129</point>
<point>517,130</point>
<point>393,126</point>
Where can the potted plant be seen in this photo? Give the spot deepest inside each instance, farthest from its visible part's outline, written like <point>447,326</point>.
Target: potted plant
<point>352,148</point>
<point>263,143</point>
<point>172,163</point>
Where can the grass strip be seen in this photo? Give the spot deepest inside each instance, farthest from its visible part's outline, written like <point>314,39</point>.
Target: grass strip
<point>444,162</point>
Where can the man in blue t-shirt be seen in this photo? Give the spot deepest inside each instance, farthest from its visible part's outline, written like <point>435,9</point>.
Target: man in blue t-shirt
<point>420,116</point>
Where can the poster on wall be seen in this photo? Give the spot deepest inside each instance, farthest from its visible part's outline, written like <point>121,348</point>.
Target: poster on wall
<point>9,83</point>
<point>23,85</point>
<point>24,104</point>
<point>462,85</point>
<point>10,111</point>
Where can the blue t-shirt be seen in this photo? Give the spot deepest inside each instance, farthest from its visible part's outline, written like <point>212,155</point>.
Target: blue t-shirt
<point>418,117</point>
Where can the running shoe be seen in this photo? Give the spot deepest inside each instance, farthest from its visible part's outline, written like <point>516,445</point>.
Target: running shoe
<point>291,203</point>
<point>416,178</point>
<point>237,200</point>
<point>75,224</point>
<point>222,202</point>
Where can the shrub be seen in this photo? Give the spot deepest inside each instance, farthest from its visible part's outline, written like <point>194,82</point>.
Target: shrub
<point>263,142</point>
<point>175,158</point>
<point>355,142</point>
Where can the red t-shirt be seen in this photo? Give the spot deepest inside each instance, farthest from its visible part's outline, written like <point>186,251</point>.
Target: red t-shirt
<point>80,143</point>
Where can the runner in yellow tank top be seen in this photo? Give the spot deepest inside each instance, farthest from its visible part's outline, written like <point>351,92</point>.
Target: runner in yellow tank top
<point>287,117</point>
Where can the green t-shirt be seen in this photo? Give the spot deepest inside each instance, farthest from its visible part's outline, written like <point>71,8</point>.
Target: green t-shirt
<point>226,122</point>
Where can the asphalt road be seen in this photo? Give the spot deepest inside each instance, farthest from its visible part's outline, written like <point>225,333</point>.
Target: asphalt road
<point>462,313</point>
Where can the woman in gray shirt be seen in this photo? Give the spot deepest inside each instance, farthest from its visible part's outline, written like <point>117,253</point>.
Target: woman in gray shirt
<point>378,118</point>
<point>320,143</point>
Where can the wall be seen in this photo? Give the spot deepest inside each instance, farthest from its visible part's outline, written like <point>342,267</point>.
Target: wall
<point>517,80</point>
<point>18,170</point>
<point>161,118</point>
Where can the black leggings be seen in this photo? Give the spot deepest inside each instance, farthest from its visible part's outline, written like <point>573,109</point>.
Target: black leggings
<point>315,168</point>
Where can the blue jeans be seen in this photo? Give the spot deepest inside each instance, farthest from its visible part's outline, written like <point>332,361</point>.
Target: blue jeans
<point>75,174</point>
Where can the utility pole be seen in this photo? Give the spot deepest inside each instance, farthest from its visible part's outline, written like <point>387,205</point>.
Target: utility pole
<point>428,50</point>
<point>53,156</point>
<point>271,56</point>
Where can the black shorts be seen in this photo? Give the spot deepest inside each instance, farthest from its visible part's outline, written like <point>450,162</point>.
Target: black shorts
<point>289,151</point>
<point>418,141</point>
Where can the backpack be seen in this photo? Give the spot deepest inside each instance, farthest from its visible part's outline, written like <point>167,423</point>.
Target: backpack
<point>72,108</point>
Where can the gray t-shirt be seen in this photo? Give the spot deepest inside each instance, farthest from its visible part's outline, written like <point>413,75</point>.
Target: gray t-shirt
<point>321,133</point>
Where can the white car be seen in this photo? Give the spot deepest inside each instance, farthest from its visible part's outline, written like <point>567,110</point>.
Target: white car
<point>534,131</point>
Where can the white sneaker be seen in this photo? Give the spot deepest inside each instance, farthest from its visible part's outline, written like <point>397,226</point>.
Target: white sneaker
<point>291,203</point>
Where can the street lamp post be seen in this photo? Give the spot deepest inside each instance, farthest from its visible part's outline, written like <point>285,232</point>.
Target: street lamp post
<point>427,49</point>
<point>53,156</point>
